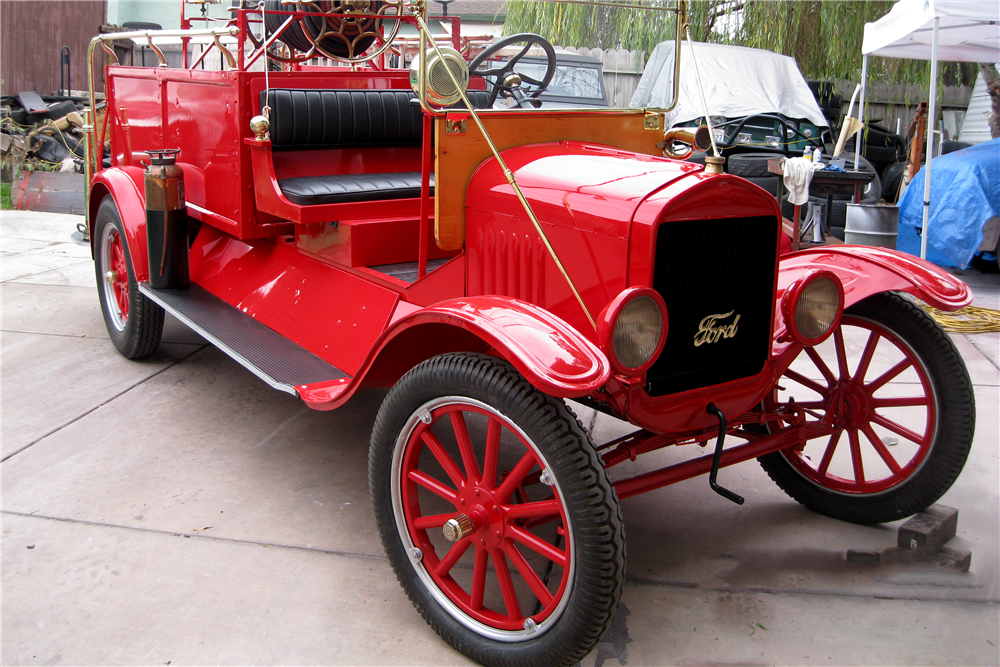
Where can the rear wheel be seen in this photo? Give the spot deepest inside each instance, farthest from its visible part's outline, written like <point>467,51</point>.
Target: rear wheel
<point>134,323</point>
<point>899,395</point>
<point>496,513</point>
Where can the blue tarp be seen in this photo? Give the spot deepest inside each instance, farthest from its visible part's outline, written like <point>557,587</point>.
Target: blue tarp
<point>965,193</point>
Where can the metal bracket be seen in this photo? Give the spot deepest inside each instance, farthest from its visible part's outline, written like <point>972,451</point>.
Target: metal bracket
<point>652,120</point>
<point>455,126</point>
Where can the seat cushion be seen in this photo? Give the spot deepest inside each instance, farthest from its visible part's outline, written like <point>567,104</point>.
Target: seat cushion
<point>341,118</point>
<point>340,188</point>
<point>348,118</point>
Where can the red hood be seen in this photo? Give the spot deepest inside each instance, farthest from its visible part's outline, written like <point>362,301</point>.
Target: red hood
<point>576,185</point>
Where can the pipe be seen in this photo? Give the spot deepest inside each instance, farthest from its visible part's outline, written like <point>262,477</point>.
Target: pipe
<point>656,479</point>
<point>861,114</point>
<point>931,122</point>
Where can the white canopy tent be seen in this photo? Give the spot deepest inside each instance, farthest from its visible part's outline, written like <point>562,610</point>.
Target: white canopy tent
<point>951,30</point>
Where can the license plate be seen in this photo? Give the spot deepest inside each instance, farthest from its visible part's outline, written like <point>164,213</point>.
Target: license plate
<point>719,135</point>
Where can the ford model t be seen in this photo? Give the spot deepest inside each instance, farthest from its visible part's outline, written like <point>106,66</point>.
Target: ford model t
<point>333,227</point>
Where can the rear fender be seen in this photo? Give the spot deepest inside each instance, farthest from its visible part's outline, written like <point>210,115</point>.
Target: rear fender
<point>548,352</point>
<point>865,270</point>
<point>126,186</point>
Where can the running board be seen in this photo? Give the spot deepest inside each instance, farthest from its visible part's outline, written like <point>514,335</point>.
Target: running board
<point>260,349</point>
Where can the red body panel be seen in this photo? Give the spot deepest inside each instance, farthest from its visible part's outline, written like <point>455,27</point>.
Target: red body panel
<point>575,185</point>
<point>548,352</point>
<point>865,270</point>
<point>584,196</point>
<point>126,186</point>
<point>334,314</point>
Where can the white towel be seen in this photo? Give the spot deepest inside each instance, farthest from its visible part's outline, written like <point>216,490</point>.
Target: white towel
<point>798,174</point>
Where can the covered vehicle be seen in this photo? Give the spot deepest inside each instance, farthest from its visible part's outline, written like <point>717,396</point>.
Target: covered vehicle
<point>333,228</point>
<point>964,211</point>
<point>757,99</point>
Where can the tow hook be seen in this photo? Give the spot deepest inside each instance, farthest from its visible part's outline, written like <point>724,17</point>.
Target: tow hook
<point>725,493</point>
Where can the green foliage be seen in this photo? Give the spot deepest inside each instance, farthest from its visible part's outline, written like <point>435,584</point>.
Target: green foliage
<point>5,202</point>
<point>591,26</point>
<point>824,36</point>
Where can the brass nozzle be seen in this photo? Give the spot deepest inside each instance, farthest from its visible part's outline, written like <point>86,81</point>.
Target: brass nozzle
<point>713,165</point>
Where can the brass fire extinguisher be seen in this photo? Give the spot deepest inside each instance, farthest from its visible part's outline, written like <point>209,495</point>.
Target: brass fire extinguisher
<point>166,221</point>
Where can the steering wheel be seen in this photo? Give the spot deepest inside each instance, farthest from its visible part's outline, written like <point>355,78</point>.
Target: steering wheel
<point>500,77</point>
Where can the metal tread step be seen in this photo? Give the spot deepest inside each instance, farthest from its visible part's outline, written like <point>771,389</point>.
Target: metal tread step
<point>262,350</point>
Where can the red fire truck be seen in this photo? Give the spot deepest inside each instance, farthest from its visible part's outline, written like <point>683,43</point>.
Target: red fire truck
<point>333,227</point>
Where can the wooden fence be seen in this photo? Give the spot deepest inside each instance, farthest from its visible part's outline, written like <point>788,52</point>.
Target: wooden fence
<point>622,71</point>
<point>32,35</point>
<point>895,105</point>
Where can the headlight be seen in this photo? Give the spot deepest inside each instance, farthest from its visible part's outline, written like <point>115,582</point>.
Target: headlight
<point>812,307</point>
<point>632,329</point>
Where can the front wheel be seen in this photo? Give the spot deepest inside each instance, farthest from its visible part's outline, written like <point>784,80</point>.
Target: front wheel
<point>897,392</point>
<point>496,513</point>
<point>134,323</point>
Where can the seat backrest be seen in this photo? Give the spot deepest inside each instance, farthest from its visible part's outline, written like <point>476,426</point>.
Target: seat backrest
<point>348,118</point>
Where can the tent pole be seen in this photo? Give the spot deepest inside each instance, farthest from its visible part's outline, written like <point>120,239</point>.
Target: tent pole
<point>931,122</point>
<point>861,112</point>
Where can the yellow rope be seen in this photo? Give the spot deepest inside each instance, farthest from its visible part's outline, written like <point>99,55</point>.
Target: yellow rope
<point>968,320</point>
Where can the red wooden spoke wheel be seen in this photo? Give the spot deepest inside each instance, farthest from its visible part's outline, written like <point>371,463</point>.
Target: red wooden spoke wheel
<point>896,391</point>
<point>497,534</point>
<point>116,277</point>
<point>496,513</point>
<point>134,323</point>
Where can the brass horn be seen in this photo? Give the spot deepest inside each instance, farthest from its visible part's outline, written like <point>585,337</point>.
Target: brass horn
<point>699,139</point>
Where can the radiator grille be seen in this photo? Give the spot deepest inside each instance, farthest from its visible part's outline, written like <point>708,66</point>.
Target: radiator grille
<point>717,279</point>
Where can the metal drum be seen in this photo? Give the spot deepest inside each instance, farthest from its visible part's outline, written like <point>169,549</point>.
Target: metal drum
<point>871,224</point>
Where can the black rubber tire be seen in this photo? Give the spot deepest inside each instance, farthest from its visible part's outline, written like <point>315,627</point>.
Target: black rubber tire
<point>873,191</point>
<point>750,165</point>
<point>59,110</point>
<point>952,146</point>
<point>769,183</point>
<point>948,449</point>
<point>892,178</point>
<point>589,501</point>
<point>838,216</point>
<point>138,336</point>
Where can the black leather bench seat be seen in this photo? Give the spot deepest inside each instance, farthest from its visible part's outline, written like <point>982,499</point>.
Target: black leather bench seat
<point>307,119</point>
<point>341,188</point>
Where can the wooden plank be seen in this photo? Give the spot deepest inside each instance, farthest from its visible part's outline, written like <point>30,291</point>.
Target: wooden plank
<point>458,155</point>
<point>49,191</point>
<point>31,36</point>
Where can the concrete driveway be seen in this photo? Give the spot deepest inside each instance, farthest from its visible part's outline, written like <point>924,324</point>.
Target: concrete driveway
<point>177,511</point>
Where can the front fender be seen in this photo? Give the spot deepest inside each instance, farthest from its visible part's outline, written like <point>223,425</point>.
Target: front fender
<point>126,186</point>
<point>865,270</point>
<point>548,352</point>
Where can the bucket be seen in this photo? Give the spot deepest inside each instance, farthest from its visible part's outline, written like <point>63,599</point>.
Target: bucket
<point>870,224</point>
